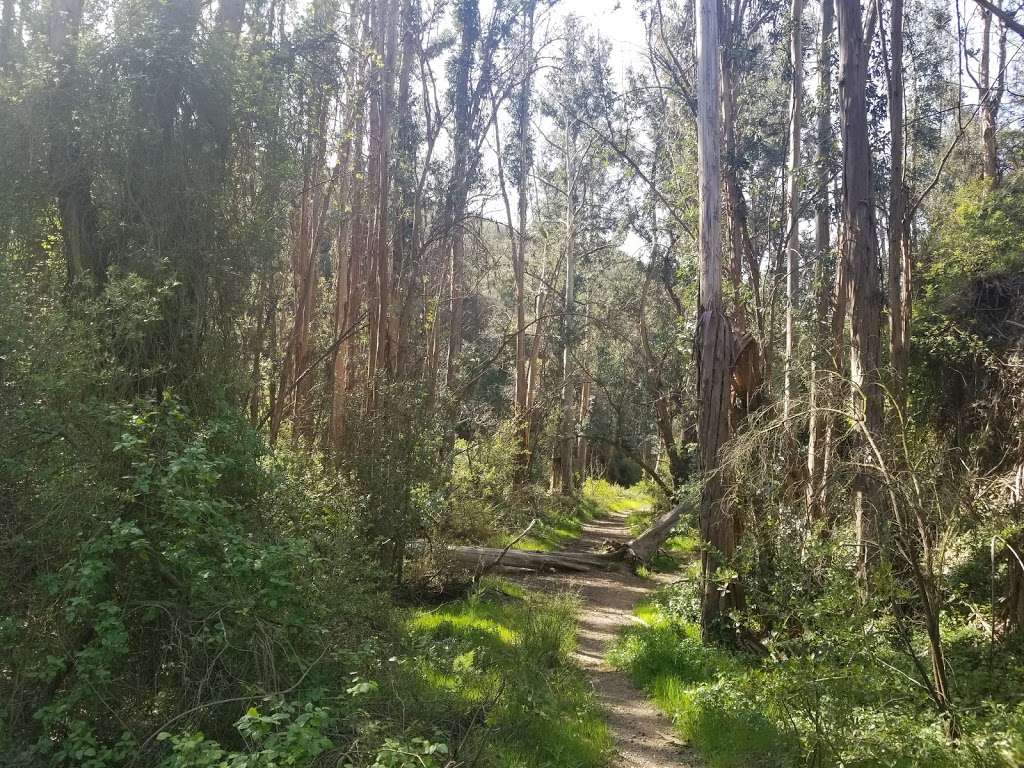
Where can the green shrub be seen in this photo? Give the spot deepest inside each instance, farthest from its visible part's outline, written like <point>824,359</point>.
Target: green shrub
<point>158,558</point>
<point>836,695</point>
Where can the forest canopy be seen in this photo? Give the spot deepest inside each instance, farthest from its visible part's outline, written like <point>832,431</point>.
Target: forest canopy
<point>312,312</point>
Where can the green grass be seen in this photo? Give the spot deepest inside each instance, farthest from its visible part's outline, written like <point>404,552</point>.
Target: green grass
<point>561,524</point>
<point>834,708</point>
<point>492,671</point>
<point>605,497</point>
<point>691,683</point>
<point>561,520</point>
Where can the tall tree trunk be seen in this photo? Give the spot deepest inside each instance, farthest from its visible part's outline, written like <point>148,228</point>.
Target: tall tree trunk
<point>714,339</point>
<point>351,144</point>
<point>899,276</point>
<point>562,466</point>
<point>357,273</point>
<point>860,252</point>
<point>991,92</point>
<point>534,373</point>
<point>456,299</point>
<point>432,310</point>
<point>71,179</point>
<point>663,420</point>
<point>264,323</point>
<point>352,236</point>
<point>315,201</point>
<point>406,261</point>
<point>736,204</point>
<point>660,393</point>
<point>382,90</point>
<point>581,449</point>
<point>796,58</point>
<point>820,364</point>
<point>582,444</point>
<point>468,12</point>
<point>519,252</point>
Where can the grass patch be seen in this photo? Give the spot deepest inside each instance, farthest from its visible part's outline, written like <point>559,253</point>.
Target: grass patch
<point>606,498</point>
<point>832,708</point>
<point>562,523</point>
<point>694,685</point>
<point>492,672</point>
<point>560,520</point>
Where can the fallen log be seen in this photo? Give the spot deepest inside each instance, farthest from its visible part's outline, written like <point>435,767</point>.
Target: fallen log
<point>483,559</point>
<point>636,551</point>
<point>646,545</point>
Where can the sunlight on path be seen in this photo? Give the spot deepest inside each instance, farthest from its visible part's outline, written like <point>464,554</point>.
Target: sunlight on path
<point>643,736</point>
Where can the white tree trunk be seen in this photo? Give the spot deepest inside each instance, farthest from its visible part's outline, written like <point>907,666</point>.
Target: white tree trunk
<point>714,339</point>
<point>816,448</point>
<point>796,58</point>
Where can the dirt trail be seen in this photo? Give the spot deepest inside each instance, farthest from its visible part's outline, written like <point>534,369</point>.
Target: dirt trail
<point>643,736</point>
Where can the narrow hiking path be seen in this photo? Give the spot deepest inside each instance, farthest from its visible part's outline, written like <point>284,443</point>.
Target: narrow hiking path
<point>644,737</point>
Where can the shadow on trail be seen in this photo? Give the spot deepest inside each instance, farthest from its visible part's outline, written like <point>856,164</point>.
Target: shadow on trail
<point>643,736</point>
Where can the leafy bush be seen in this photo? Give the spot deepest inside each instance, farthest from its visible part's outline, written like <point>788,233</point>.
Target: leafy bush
<point>281,737</point>
<point>968,318</point>
<point>191,567</point>
<point>836,694</point>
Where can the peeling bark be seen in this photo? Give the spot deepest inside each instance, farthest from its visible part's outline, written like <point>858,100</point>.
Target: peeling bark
<point>713,338</point>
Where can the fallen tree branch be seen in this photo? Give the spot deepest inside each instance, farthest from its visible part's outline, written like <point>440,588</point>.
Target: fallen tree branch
<point>509,546</point>
<point>645,546</point>
<point>485,557</point>
<point>636,551</point>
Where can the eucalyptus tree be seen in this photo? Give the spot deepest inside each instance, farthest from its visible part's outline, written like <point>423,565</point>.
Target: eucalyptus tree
<point>793,190</point>
<point>818,439</point>
<point>860,263</point>
<point>713,342</point>
<point>472,76</point>
<point>575,211</point>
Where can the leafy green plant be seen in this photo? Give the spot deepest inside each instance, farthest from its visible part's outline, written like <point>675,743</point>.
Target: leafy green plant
<point>836,694</point>
<point>415,753</point>
<point>284,736</point>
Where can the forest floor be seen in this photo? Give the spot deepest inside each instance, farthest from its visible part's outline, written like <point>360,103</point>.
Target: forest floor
<point>643,736</point>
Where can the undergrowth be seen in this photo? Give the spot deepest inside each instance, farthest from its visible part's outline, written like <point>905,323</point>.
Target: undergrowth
<point>561,520</point>
<point>493,670</point>
<point>485,681</point>
<point>846,702</point>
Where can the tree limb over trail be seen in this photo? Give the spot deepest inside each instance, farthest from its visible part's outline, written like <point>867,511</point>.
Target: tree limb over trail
<point>1003,16</point>
<point>636,551</point>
